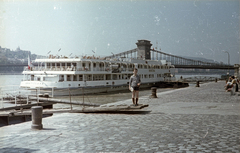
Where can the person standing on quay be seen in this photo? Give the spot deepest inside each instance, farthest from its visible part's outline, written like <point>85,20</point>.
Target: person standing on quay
<point>134,84</point>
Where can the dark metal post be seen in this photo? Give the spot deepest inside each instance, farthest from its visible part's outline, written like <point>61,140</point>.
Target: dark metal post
<point>154,92</point>
<point>197,84</point>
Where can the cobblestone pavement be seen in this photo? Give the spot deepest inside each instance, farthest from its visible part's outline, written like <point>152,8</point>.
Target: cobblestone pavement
<point>204,119</point>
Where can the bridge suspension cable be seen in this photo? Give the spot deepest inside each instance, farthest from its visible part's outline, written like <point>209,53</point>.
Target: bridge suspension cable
<point>159,55</point>
<point>177,61</point>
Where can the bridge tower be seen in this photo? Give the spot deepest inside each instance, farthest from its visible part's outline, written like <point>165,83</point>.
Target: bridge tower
<point>144,47</point>
<point>237,70</point>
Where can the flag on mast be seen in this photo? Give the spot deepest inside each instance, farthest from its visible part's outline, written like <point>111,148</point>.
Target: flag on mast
<point>29,62</point>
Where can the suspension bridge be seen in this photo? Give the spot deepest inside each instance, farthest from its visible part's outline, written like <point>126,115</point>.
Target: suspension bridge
<point>144,51</point>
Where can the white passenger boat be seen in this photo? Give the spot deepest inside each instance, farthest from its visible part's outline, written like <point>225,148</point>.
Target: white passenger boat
<point>90,74</point>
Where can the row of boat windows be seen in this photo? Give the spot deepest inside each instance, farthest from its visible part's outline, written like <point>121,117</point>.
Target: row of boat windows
<point>101,65</point>
<point>94,77</point>
<point>107,77</point>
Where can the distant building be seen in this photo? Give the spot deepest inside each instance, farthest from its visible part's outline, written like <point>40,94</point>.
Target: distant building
<point>18,49</point>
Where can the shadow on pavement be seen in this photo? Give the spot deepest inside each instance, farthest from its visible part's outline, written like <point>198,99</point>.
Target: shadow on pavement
<point>48,129</point>
<point>120,112</point>
<point>19,150</point>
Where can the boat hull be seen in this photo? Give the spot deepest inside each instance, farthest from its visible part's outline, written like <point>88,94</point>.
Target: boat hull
<point>86,90</point>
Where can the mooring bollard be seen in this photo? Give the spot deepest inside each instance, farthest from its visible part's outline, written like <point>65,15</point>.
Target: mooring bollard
<point>37,117</point>
<point>175,85</point>
<point>154,92</point>
<point>197,84</point>
<point>216,80</point>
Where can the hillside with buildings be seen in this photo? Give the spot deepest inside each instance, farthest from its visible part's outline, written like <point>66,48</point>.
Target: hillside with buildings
<point>17,56</point>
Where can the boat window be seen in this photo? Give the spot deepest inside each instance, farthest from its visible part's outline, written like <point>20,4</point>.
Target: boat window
<point>74,78</point>
<point>80,77</point>
<point>94,64</point>
<point>58,64</point>
<point>83,64</point>
<point>32,77</point>
<point>61,78</point>
<point>87,77</point>
<point>74,64</point>
<point>53,64</point>
<point>98,77</point>
<point>151,75</point>
<point>63,64</point>
<point>68,64</point>
<point>108,77</point>
<point>114,77</point>
<point>68,78</point>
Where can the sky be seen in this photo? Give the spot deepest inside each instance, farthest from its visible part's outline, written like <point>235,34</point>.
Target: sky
<point>193,28</point>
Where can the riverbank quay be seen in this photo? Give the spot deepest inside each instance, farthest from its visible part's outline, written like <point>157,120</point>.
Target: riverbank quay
<point>193,119</point>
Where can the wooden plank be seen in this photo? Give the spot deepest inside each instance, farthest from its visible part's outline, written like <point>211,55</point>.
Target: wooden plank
<point>27,106</point>
<point>64,101</point>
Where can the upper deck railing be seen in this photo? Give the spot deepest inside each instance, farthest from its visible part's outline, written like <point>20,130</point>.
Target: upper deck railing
<point>101,69</point>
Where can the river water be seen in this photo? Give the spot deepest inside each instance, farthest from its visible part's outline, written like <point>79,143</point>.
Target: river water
<point>9,85</point>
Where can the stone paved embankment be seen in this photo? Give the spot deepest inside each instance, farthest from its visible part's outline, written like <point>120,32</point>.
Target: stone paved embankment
<point>205,119</point>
